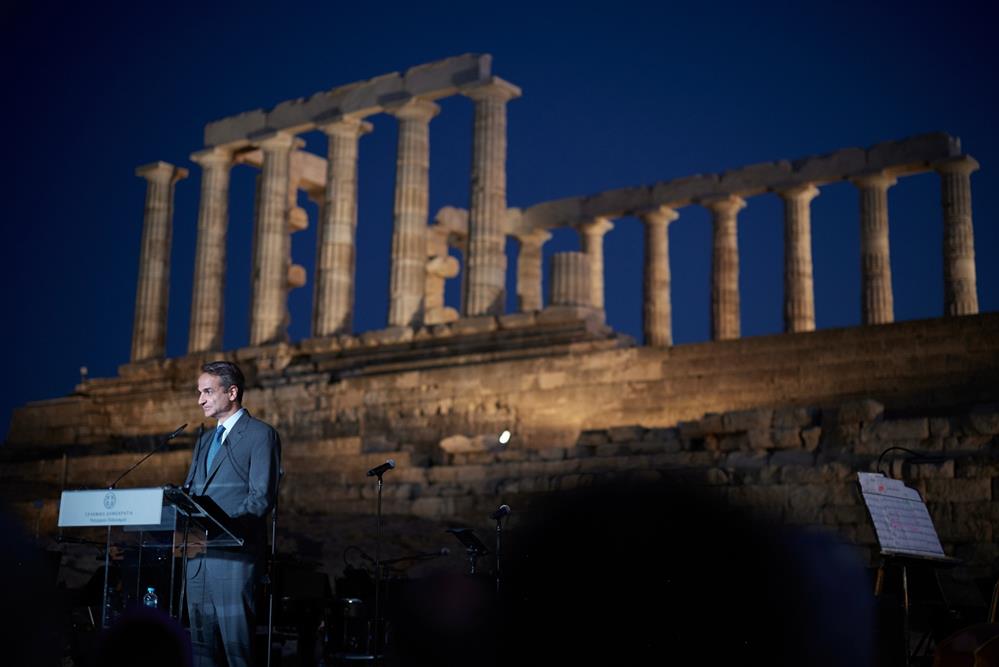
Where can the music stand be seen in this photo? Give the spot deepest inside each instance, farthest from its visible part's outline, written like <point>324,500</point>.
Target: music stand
<point>905,534</point>
<point>473,545</point>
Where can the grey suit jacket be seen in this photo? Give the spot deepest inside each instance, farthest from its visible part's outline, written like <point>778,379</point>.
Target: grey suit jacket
<point>243,478</point>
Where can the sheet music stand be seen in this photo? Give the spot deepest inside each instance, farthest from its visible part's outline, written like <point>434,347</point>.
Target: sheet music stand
<point>473,545</point>
<point>905,533</point>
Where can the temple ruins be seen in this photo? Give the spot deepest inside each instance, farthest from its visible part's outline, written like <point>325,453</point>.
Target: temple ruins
<point>780,422</point>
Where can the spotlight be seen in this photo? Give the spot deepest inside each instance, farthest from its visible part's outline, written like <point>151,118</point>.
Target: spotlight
<point>504,437</point>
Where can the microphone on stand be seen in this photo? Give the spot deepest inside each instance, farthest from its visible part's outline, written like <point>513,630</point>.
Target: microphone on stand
<point>139,462</point>
<point>382,469</point>
<point>504,510</point>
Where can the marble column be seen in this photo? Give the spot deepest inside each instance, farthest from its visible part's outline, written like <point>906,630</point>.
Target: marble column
<point>333,298</point>
<point>529,258</point>
<point>412,192</point>
<point>208,293</point>
<point>657,322</point>
<point>960,288</point>
<point>799,284</point>
<point>875,260</point>
<point>271,243</point>
<point>149,328</point>
<point>486,260</point>
<point>440,267</point>
<point>725,266</point>
<point>592,241</point>
<point>571,280</point>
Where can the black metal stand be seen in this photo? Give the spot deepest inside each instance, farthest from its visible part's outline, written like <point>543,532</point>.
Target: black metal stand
<point>499,539</point>
<point>270,569</point>
<point>474,547</point>
<point>377,629</point>
<point>107,572</point>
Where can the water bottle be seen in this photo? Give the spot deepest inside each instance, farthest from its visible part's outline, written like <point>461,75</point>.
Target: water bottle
<point>150,599</point>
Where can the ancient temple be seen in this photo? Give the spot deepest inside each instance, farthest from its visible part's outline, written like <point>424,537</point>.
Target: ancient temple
<point>781,422</point>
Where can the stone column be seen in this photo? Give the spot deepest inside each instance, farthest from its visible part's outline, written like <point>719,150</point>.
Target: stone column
<point>799,285</point>
<point>333,298</point>
<point>725,267</point>
<point>592,242</point>
<point>960,288</point>
<point>440,266</point>
<point>875,261</point>
<point>409,233</point>
<point>486,259</point>
<point>271,243</point>
<point>208,292</point>
<point>529,260</point>
<point>571,274</point>
<point>149,329</point>
<point>658,307</point>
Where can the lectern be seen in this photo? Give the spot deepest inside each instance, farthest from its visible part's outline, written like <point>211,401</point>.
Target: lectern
<point>154,513</point>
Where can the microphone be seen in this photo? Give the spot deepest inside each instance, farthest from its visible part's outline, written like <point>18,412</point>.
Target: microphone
<point>139,462</point>
<point>504,510</point>
<point>381,469</point>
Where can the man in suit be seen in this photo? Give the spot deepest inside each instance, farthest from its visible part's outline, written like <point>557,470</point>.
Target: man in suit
<point>236,465</point>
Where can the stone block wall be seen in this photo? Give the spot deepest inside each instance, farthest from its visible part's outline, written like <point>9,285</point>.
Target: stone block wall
<point>778,423</point>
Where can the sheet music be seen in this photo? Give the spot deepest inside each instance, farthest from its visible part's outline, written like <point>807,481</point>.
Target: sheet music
<point>901,521</point>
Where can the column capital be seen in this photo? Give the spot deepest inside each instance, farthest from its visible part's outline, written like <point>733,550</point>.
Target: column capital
<point>277,141</point>
<point>724,204</point>
<point>161,171</point>
<point>495,89</point>
<point>960,164</point>
<point>596,226</point>
<point>662,215</point>
<point>413,108</point>
<point>213,156</point>
<point>805,192</point>
<point>350,127</point>
<point>874,179</point>
<point>537,236</point>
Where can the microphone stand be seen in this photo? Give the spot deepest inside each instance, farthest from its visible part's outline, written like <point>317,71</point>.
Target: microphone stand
<point>107,545</point>
<point>270,572</point>
<point>378,568</point>
<point>499,536</point>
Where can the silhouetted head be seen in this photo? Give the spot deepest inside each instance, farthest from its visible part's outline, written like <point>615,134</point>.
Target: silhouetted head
<point>144,636</point>
<point>628,572</point>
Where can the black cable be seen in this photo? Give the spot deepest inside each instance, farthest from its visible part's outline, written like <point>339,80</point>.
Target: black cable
<point>918,457</point>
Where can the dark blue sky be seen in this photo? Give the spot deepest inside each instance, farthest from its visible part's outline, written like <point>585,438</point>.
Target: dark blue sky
<point>614,95</point>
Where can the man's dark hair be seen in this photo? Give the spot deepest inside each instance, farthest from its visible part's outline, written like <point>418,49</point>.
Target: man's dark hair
<point>228,374</point>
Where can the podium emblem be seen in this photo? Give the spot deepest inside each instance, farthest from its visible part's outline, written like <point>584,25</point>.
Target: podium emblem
<point>109,500</point>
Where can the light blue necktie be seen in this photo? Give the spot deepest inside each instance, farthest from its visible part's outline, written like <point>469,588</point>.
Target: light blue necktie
<point>214,449</point>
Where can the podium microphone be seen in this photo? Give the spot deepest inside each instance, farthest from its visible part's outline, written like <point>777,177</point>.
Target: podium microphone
<point>504,510</point>
<point>139,462</point>
<point>382,469</point>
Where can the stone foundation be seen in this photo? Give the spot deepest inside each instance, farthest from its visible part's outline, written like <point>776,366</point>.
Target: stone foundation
<point>778,423</point>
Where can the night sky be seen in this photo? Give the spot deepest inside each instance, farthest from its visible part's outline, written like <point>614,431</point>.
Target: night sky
<point>619,94</point>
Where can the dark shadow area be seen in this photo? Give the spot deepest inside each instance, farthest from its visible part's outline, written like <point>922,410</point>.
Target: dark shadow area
<point>144,636</point>
<point>31,609</point>
<point>627,572</point>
